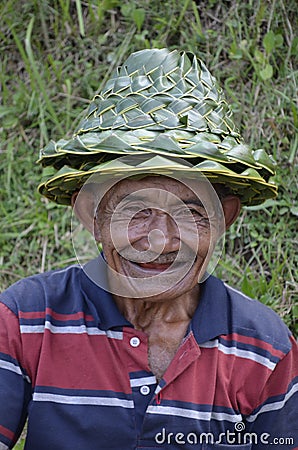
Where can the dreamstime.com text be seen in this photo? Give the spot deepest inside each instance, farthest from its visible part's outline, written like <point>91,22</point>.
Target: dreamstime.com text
<point>236,437</point>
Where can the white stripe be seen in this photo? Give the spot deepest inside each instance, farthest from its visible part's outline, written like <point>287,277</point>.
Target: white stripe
<point>141,381</point>
<point>78,400</point>
<point>192,414</point>
<point>157,390</point>
<point>13,368</point>
<point>247,355</point>
<point>70,329</point>
<point>275,405</point>
<point>240,353</point>
<point>115,334</point>
<point>3,446</point>
<point>32,329</point>
<point>210,344</point>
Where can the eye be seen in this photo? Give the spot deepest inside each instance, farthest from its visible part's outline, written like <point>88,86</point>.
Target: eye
<point>142,213</point>
<point>196,212</point>
<point>192,213</point>
<point>199,215</point>
<point>136,210</point>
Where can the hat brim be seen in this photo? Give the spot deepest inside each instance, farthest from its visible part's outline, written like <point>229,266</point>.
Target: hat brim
<point>248,185</point>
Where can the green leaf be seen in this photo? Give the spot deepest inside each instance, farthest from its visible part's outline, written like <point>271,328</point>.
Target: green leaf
<point>267,204</point>
<point>138,16</point>
<point>267,72</point>
<point>242,153</point>
<point>80,17</point>
<point>269,42</point>
<point>264,160</point>
<point>235,52</point>
<point>295,311</point>
<point>9,122</point>
<point>279,40</point>
<point>295,114</point>
<point>247,287</point>
<point>163,143</point>
<point>294,210</point>
<point>126,10</point>
<point>259,56</point>
<point>207,149</point>
<point>294,47</point>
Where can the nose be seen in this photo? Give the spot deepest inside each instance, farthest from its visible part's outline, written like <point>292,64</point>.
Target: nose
<point>163,233</point>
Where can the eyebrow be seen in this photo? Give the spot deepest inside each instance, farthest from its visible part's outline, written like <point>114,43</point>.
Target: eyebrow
<point>133,197</point>
<point>194,202</point>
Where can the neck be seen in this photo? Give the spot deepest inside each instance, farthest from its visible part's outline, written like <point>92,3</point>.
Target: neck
<point>164,321</point>
<point>145,313</point>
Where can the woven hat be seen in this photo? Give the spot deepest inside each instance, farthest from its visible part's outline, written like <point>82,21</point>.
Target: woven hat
<point>166,106</point>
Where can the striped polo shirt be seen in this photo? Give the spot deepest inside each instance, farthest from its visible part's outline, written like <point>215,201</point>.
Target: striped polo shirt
<point>72,364</point>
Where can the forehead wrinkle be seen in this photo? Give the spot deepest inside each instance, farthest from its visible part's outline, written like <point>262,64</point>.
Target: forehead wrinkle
<point>162,198</point>
<point>181,191</point>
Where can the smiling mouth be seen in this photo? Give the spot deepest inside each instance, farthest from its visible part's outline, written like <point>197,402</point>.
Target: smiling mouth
<point>160,267</point>
<point>156,266</point>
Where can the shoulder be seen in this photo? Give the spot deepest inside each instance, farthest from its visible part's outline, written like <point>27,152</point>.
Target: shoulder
<point>35,292</point>
<point>253,319</point>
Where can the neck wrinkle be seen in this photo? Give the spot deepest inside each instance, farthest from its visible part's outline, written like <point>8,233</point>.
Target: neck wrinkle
<point>144,313</point>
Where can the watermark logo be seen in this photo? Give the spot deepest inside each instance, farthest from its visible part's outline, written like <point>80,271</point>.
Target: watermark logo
<point>238,436</point>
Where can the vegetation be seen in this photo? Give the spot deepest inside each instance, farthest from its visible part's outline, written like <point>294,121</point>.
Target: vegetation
<point>55,56</point>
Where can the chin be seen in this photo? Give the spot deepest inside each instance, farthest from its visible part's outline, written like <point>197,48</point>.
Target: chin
<point>155,283</point>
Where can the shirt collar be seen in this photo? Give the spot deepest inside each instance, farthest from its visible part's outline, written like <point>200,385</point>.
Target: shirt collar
<point>209,321</point>
<point>211,316</point>
<point>101,303</point>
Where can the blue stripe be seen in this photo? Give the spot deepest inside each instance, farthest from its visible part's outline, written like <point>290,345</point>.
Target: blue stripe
<point>140,374</point>
<point>250,348</point>
<point>199,407</point>
<point>275,400</point>
<point>82,392</point>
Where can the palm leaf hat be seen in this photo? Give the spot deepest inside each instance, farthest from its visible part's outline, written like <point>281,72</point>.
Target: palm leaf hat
<point>166,105</point>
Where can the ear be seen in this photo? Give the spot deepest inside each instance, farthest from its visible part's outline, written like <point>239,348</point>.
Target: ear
<point>83,206</point>
<point>231,207</point>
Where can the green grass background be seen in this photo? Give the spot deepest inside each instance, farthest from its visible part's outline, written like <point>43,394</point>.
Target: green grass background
<point>56,54</point>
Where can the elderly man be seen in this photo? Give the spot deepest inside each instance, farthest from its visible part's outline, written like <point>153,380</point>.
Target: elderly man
<point>142,347</point>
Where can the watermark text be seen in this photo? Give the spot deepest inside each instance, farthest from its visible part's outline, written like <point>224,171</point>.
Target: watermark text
<point>236,437</point>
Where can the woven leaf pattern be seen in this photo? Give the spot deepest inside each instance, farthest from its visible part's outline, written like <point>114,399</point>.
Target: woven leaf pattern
<point>164,104</point>
<point>177,93</point>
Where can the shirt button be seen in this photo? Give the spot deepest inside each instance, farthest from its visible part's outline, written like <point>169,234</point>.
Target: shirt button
<point>135,341</point>
<point>145,390</point>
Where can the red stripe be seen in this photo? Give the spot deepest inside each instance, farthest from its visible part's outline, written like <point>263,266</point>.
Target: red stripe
<point>254,342</point>
<point>65,317</point>
<point>94,367</point>
<point>219,379</point>
<point>32,344</point>
<point>31,315</point>
<point>7,433</point>
<point>55,315</point>
<point>9,339</point>
<point>285,371</point>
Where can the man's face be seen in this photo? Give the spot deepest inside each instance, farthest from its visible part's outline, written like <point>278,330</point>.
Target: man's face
<point>158,234</point>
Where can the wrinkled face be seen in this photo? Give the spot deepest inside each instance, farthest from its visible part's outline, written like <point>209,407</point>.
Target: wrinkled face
<point>158,234</point>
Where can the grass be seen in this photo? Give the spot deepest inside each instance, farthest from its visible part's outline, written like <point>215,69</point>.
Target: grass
<point>56,55</point>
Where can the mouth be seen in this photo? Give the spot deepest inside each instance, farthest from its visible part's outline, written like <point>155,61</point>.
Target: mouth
<point>157,266</point>
<point>153,266</point>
